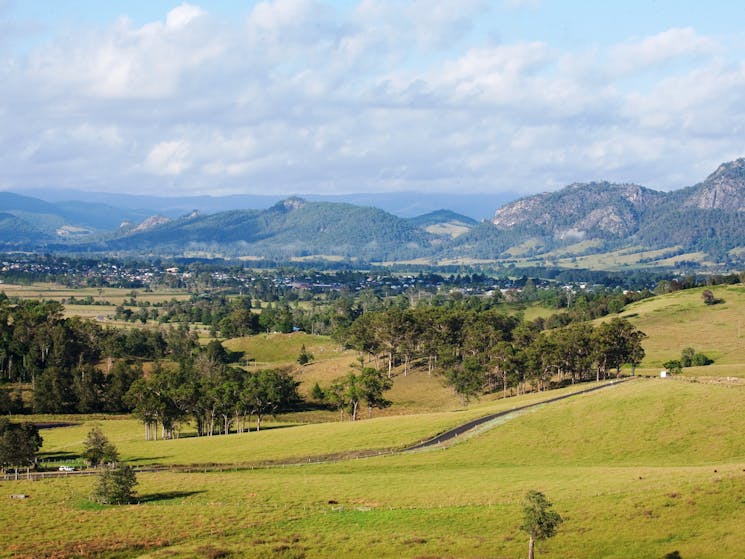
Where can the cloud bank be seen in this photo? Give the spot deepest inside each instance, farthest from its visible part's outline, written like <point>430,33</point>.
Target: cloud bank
<point>303,96</point>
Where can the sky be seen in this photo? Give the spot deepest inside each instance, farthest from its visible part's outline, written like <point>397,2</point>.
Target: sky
<point>349,96</point>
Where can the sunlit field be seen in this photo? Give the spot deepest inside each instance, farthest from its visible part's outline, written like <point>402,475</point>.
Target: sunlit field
<point>681,319</point>
<point>637,470</point>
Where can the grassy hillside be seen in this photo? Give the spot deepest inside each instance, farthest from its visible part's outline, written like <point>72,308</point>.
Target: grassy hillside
<point>609,477</point>
<point>681,319</point>
<point>277,440</point>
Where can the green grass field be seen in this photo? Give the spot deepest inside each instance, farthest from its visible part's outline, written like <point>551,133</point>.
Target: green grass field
<point>681,319</point>
<point>638,470</point>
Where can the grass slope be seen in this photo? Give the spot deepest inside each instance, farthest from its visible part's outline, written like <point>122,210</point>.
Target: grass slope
<point>681,319</point>
<point>639,470</point>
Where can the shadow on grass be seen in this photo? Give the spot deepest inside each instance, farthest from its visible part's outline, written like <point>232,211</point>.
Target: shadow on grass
<point>146,459</point>
<point>166,496</point>
<point>56,456</point>
<point>314,406</point>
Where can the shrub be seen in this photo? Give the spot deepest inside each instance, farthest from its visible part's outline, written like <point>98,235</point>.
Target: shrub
<point>699,360</point>
<point>115,485</point>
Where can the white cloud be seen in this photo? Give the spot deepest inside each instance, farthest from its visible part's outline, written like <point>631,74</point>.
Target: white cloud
<point>182,16</point>
<point>129,62</point>
<point>299,97</point>
<point>168,158</point>
<point>660,49</point>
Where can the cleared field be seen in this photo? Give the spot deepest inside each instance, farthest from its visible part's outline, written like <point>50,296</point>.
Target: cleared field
<point>681,319</point>
<point>113,295</point>
<point>276,441</point>
<point>282,350</point>
<point>106,299</point>
<point>601,458</point>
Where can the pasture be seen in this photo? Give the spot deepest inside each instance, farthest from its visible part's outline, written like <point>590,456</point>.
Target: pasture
<point>638,470</point>
<point>681,319</point>
<point>105,300</point>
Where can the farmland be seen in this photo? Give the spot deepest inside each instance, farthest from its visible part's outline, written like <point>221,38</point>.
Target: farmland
<point>659,468</point>
<point>639,469</point>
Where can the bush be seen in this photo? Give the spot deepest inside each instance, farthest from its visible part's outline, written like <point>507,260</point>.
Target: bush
<point>709,298</point>
<point>673,367</point>
<point>115,485</point>
<point>700,360</point>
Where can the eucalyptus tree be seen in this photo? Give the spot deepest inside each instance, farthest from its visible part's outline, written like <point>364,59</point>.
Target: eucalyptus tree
<point>617,342</point>
<point>268,392</point>
<point>539,520</point>
<point>97,449</point>
<point>19,443</point>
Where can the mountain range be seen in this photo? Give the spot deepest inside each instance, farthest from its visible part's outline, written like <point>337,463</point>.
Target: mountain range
<point>597,224</point>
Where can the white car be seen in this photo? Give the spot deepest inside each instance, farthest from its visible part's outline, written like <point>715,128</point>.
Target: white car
<point>67,468</point>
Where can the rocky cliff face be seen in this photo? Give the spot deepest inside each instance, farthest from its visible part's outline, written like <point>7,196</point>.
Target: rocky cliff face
<point>724,189</point>
<point>581,209</point>
<point>151,222</point>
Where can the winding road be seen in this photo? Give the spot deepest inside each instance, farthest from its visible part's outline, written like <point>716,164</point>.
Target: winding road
<point>461,429</point>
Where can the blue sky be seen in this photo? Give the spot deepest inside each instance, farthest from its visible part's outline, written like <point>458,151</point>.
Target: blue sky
<point>313,96</point>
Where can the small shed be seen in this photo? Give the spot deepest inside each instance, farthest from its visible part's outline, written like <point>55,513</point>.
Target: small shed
<point>663,374</point>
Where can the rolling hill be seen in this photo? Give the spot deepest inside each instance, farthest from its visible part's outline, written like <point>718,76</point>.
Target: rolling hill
<point>291,228</point>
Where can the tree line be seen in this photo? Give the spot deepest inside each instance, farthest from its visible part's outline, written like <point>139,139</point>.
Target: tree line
<point>206,390</point>
<point>479,352</point>
<point>75,365</point>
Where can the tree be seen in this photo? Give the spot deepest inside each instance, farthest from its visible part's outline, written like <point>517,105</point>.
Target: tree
<point>709,298</point>
<point>19,443</point>
<point>115,485</point>
<point>539,521</point>
<point>686,356</point>
<point>317,393</point>
<point>673,367</point>
<point>617,342</point>
<point>305,356</point>
<point>700,360</point>
<point>466,379</point>
<point>373,382</point>
<point>97,449</point>
<point>268,392</point>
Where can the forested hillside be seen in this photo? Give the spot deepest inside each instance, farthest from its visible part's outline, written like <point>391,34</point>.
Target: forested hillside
<point>701,225</point>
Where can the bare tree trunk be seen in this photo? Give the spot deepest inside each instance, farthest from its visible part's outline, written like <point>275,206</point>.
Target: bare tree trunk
<point>531,547</point>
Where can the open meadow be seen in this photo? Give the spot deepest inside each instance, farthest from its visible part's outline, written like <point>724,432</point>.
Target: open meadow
<point>678,320</point>
<point>639,470</point>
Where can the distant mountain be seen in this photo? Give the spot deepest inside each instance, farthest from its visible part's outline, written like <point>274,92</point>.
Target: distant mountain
<point>444,223</point>
<point>703,224</point>
<point>401,204</point>
<point>581,219</point>
<point>578,211</point>
<point>291,228</point>
<point>724,189</point>
<point>64,219</point>
<point>15,231</point>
